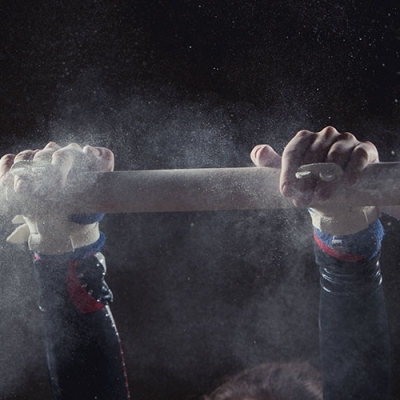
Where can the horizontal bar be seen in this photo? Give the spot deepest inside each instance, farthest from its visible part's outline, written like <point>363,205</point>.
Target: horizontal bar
<point>210,189</point>
<point>181,190</point>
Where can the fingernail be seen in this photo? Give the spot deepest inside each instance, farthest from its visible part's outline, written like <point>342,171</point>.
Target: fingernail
<point>91,149</point>
<point>261,151</point>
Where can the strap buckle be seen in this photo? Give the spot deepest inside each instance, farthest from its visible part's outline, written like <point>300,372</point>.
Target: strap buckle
<point>326,172</point>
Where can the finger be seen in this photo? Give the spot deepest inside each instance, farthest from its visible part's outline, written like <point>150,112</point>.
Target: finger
<point>22,183</point>
<point>25,155</point>
<point>292,158</point>
<point>362,155</point>
<point>340,152</point>
<point>52,145</point>
<point>45,155</point>
<point>6,163</point>
<point>305,148</point>
<point>317,153</point>
<point>319,148</point>
<point>264,155</point>
<point>65,158</point>
<point>100,158</point>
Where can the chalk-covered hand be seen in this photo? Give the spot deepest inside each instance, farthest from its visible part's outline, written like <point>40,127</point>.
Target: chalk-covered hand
<point>329,146</point>
<point>40,173</point>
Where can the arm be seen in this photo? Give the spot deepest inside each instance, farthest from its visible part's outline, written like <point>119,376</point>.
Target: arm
<point>354,338</point>
<point>354,341</point>
<point>81,343</point>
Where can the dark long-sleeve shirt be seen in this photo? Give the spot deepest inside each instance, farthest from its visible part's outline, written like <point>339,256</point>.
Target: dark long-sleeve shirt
<point>84,354</point>
<point>354,340</point>
<point>81,342</point>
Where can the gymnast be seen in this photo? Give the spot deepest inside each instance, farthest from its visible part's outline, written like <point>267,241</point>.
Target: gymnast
<point>82,346</point>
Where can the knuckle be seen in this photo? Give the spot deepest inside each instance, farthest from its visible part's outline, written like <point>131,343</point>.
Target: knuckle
<point>73,146</point>
<point>40,154</point>
<point>304,134</point>
<point>25,153</point>
<point>329,130</point>
<point>348,136</point>
<point>335,154</point>
<point>8,158</point>
<point>370,145</point>
<point>360,152</point>
<point>327,133</point>
<point>62,154</point>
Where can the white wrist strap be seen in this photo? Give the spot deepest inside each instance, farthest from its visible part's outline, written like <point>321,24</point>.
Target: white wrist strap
<point>344,222</point>
<point>55,236</point>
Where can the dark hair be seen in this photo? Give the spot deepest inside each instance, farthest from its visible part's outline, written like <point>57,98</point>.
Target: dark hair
<point>274,381</point>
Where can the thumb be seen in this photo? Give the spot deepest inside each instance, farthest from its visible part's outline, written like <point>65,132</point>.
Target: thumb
<point>263,155</point>
<point>19,235</point>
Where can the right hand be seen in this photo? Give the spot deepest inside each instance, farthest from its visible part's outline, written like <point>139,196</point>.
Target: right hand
<point>330,146</point>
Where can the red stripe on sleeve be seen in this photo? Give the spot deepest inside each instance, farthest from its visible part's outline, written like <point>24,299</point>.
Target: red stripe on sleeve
<point>337,254</point>
<point>83,301</point>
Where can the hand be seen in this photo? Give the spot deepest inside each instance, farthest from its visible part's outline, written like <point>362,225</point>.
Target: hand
<point>328,145</point>
<point>48,233</point>
<point>59,160</point>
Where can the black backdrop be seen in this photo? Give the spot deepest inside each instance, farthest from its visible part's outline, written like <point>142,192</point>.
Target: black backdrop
<point>179,84</point>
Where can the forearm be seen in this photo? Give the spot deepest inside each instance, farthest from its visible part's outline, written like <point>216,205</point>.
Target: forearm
<point>353,324</point>
<point>81,342</point>
<point>73,282</point>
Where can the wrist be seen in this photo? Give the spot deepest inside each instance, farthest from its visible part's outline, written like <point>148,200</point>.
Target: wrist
<point>345,221</point>
<point>64,238</point>
<point>52,235</point>
<point>363,245</point>
<point>77,254</point>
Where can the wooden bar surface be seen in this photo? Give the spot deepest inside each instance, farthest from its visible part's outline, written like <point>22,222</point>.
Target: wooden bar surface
<point>210,189</point>
<point>216,189</point>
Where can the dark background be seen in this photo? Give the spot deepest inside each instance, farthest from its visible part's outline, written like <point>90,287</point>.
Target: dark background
<point>180,84</point>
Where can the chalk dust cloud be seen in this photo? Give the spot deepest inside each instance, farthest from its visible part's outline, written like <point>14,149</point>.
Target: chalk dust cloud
<point>193,85</point>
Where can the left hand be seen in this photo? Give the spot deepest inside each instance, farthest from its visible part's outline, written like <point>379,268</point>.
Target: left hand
<point>47,233</point>
<point>62,160</point>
